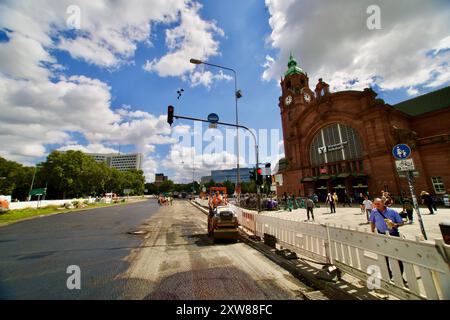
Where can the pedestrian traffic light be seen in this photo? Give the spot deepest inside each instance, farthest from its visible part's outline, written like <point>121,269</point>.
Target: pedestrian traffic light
<point>170,110</point>
<point>259,178</point>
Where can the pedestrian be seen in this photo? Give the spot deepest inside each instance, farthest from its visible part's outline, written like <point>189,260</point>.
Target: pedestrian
<point>361,199</point>
<point>368,207</point>
<point>330,201</point>
<point>335,198</point>
<point>387,199</point>
<point>309,204</point>
<point>427,200</point>
<point>408,208</point>
<point>384,219</point>
<point>346,201</point>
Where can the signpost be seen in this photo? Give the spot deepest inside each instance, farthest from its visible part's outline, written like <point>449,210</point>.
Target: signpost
<point>38,192</point>
<point>402,152</point>
<point>213,118</point>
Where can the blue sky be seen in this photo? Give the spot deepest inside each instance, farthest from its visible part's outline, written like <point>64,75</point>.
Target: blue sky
<point>109,82</point>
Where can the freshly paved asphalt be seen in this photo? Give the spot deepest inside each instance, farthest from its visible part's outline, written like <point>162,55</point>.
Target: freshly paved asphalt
<point>35,254</point>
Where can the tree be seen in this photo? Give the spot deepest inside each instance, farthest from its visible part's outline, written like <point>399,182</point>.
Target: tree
<point>15,179</point>
<point>230,187</point>
<point>166,186</point>
<point>248,187</point>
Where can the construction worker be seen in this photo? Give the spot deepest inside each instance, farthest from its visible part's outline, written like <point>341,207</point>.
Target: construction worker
<point>217,201</point>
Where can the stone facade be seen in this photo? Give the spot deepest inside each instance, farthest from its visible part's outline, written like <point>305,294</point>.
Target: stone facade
<point>367,125</point>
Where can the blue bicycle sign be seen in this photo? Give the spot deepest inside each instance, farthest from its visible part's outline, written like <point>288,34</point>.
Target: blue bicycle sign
<point>401,151</point>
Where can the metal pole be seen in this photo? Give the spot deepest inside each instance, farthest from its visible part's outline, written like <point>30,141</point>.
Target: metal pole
<point>258,189</point>
<point>237,126</point>
<point>238,177</point>
<point>416,205</point>
<point>238,174</point>
<point>32,182</point>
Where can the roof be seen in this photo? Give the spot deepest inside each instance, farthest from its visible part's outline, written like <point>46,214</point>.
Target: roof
<point>432,101</point>
<point>293,68</point>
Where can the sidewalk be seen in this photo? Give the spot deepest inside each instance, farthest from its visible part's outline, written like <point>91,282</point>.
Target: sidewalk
<point>352,217</point>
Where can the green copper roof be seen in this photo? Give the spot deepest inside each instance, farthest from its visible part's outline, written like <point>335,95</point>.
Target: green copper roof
<point>432,101</point>
<point>292,65</point>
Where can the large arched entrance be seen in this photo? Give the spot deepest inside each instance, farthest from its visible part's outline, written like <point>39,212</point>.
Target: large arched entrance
<point>336,162</point>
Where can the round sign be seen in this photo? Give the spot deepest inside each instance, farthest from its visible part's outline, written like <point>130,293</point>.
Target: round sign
<point>401,151</point>
<point>213,118</point>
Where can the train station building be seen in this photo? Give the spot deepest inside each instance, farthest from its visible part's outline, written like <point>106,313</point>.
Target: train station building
<point>342,141</point>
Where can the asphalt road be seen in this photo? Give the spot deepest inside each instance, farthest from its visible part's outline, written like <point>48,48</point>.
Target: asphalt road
<point>35,254</point>
<point>177,260</point>
<point>171,258</point>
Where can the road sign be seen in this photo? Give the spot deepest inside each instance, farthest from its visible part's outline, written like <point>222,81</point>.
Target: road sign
<point>401,151</point>
<point>404,174</point>
<point>38,192</point>
<point>405,165</point>
<point>126,191</point>
<point>213,118</point>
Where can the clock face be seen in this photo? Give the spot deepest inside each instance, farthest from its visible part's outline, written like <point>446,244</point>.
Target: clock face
<point>288,100</point>
<point>307,97</point>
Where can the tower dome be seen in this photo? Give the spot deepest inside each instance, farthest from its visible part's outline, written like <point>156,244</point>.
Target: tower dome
<point>292,67</point>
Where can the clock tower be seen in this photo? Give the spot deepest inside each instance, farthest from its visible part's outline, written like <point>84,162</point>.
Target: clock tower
<point>296,96</point>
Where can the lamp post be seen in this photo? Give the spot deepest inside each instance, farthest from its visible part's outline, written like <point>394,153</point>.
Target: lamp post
<point>32,182</point>
<point>237,95</point>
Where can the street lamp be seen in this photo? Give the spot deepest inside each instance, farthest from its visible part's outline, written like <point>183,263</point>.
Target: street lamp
<point>237,95</point>
<point>32,182</point>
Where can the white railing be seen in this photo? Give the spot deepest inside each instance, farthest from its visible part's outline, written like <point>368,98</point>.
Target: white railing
<point>363,255</point>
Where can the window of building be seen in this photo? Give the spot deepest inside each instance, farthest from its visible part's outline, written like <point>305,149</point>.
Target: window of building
<point>438,185</point>
<point>335,143</point>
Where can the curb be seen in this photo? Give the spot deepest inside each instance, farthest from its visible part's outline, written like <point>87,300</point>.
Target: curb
<point>4,224</point>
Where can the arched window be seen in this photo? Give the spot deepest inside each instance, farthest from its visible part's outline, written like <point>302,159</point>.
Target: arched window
<point>334,143</point>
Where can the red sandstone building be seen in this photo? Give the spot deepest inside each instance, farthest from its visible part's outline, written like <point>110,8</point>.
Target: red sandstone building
<point>342,141</point>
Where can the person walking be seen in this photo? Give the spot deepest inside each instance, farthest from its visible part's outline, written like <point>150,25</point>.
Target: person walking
<point>386,197</point>
<point>361,199</point>
<point>427,200</point>
<point>346,201</point>
<point>330,201</point>
<point>408,207</point>
<point>384,219</point>
<point>309,204</point>
<point>368,206</point>
<point>335,198</point>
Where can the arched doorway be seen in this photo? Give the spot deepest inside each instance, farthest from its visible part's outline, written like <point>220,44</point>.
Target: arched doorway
<point>336,161</point>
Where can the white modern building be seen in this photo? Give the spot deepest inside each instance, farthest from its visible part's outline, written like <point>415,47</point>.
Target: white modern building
<point>121,162</point>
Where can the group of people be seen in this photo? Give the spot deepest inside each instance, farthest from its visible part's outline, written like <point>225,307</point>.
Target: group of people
<point>367,206</point>
<point>217,200</point>
<point>165,201</point>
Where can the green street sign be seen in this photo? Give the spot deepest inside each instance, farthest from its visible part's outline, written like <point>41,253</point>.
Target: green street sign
<point>38,192</point>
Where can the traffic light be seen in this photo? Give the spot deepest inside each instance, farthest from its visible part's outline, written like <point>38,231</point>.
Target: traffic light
<point>259,179</point>
<point>170,110</point>
<point>252,174</point>
<point>268,176</point>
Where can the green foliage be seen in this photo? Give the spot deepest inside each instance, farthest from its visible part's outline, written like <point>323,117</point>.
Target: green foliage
<point>68,175</point>
<point>15,179</point>
<point>248,187</point>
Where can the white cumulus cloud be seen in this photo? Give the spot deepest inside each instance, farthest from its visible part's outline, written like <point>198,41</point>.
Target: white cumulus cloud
<point>331,41</point>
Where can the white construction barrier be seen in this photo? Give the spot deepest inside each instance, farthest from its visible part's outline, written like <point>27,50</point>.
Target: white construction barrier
<point>364,255</point>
